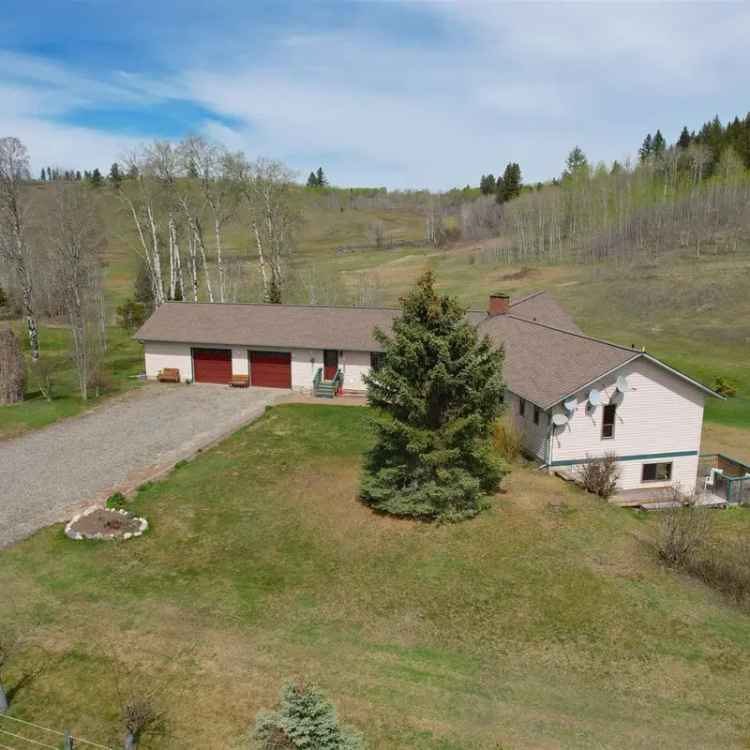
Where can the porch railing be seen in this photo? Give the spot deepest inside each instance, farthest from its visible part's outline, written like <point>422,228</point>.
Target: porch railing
<point>726,477</point>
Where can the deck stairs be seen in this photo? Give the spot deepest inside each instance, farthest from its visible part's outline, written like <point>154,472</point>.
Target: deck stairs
<point>327,388</point>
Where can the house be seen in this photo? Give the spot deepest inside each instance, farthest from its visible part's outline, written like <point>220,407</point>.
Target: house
<point>572,397</point>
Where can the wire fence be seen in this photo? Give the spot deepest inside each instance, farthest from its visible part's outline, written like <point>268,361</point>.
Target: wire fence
<point>19,734</point>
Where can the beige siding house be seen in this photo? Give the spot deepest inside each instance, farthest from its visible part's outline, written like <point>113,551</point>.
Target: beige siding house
<point>572,397</point>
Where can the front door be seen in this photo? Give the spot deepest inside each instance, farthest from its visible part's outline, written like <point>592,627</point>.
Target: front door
<point>330,363</point>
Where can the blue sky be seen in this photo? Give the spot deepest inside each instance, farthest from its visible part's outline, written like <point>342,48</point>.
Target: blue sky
<point>392,93</point>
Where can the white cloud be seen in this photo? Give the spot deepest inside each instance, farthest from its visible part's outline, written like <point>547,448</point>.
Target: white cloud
<point>497,82</point>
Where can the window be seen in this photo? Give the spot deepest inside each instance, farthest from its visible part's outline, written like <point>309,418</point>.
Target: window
<point>522,406</point>
<point>608,423</point>
<point>656,472</point>
<point>536,415</point>
<point>376,360</point>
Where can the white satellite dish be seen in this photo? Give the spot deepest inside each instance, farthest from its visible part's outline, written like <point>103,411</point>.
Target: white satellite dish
<point>595,398</point>
<point>622,384</point>
<point>570,405</point>
<point>559,420</point>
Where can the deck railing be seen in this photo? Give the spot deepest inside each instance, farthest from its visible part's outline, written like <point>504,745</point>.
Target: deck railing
<point>727,477</point>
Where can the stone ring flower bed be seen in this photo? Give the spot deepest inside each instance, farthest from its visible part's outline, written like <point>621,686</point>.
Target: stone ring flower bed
<point>105,523</point>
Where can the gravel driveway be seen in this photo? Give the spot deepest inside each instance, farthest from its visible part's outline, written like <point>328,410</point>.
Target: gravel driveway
<point>46,475</point>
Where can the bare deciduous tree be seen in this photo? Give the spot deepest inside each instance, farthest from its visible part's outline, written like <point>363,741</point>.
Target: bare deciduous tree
<point>8,644</point>
<point>14,244</point>
<point>12,368</point>
<point>141,196</point>
<point>76,241</point>
<point>272,217</point>
<point>215,168</point>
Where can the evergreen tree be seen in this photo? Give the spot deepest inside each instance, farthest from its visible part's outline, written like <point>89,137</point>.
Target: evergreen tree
<point>96,178</point>
<point>616,167</point>
<point>312,180</point>
<point>645,151</point>
<point>511,181</point>
<point>321,178</point>
<point>114,175</point>
<point>437,396</point>
<point>684,140</point>
<point>43,176</point>
<point>576,163</point>
<point>487,185</point>
<point>192,170</point>
<point>143,292</point>
<point>304,719</point>
<point>78,175</point>
<point>658,145</point>
<point>500,189</point>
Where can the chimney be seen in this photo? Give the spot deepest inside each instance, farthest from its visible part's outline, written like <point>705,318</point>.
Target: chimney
<point>499,304</point>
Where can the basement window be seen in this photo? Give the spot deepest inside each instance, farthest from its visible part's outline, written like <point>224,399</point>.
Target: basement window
<point>608,423</point>
<point>522,406</point>
<point>661,472</point>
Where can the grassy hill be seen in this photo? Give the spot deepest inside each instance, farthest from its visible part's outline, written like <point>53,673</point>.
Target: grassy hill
<point>546,622</point>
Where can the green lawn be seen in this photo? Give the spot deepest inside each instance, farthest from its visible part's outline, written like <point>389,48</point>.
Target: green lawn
<point>544,623</point>
<point>124,359</point>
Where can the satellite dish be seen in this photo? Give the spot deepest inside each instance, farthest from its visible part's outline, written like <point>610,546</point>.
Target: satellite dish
<point>570,405</point>
<point>622,384</point>
<point>595,398</point>
<point>559,420</point>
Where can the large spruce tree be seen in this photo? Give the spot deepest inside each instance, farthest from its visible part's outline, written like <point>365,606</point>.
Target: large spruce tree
<point>437,396</point>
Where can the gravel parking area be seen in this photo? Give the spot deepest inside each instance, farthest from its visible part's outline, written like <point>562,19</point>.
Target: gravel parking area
<point>47,475</point>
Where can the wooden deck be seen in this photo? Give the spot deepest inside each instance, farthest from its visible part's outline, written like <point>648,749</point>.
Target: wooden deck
<point>661,499</point>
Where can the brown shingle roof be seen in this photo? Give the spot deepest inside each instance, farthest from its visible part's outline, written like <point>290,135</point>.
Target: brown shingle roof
<point>544,309</point>
<point>544,364</point>
<point>546,359</point>
<point>292,326</point>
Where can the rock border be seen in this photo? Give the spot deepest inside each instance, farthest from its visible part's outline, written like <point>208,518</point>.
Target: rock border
<point>77,536</point>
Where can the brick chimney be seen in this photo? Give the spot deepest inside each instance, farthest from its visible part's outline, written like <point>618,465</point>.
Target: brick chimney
<point>499,304</point>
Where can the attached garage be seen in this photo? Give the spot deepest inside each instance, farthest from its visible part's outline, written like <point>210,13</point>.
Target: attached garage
<point>212,365</point>
<point>271,369</point>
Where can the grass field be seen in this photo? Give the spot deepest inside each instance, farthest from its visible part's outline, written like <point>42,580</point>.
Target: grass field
<point>547,622</point>
<point>124,359</point>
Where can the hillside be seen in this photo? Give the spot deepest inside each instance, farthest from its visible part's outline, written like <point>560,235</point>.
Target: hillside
<point>691,309</point>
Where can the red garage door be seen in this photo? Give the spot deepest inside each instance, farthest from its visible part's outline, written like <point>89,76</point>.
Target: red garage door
<point>271,369</point>
<point>212,365</point>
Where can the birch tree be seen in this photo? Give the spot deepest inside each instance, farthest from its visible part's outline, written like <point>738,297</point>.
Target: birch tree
<point>76,242</point>
<point>272,218</point>
<point>140,195</point>
<point>14,241</point>
<point>215,168</point>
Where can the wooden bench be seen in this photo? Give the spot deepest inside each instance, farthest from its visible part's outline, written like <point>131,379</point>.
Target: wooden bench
<point>169,375</point>
<point>240,381</point>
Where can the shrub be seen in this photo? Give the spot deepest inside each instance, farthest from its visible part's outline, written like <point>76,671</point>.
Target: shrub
<point>115,501</point>
<point>599,475</point>
<point>12,368</point>
<point>683,531</point>
<point>44,375</point>
<point>725,387</point>
<point>131,315</point>
<point>507,439</point>
<point>304,718</point>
